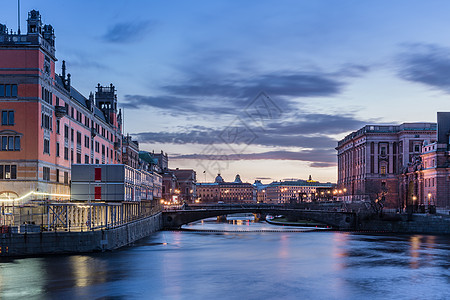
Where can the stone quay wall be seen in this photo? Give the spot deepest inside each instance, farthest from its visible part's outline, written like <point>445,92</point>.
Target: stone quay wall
<point>53,242</point>
<point>417,223</point>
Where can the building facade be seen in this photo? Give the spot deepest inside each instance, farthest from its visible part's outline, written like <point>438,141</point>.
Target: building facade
<point>296,191</point>
<point>372,159</point>
<point>46,124</point>
<point>226,192</point>
<point>425,181</point>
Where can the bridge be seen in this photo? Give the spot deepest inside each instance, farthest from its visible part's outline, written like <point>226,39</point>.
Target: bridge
<point>174,219</point>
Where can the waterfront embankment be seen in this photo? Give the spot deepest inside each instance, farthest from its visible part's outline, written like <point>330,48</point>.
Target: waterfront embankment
<point>55,242</point>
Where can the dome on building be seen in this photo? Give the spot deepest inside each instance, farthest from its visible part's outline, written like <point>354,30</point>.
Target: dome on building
<point>219,179</point>
<point>237,179</point>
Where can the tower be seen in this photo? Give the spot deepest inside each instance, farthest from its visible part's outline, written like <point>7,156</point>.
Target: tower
<point>106,101</point>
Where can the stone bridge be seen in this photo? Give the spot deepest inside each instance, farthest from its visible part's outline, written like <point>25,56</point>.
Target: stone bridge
<point>173,219</point>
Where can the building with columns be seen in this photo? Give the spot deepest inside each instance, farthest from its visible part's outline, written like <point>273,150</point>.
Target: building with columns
<point>372,159</point>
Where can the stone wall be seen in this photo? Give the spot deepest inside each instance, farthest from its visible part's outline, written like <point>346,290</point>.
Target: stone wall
<point>422,224</point>
<point>28,244</point>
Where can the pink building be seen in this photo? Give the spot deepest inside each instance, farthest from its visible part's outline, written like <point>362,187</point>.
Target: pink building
<point>46,124</point>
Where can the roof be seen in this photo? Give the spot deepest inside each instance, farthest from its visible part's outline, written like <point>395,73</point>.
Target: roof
<point>148,157</point>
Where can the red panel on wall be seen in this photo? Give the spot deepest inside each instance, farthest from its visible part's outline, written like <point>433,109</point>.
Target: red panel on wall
<point>98,174</point>
<point>98,193</point>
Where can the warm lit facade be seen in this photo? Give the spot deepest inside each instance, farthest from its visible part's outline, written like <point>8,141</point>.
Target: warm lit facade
<point>46,124</point>
<point>371,160</point>
<point>425,182</point>
<point>295,191</point>
<point>226,192</point>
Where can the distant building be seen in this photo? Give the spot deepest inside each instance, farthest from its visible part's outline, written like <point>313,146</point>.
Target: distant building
<point>227,192</point>
<point>372,159</point>
<point>296,191</point>
<point>186,181</point>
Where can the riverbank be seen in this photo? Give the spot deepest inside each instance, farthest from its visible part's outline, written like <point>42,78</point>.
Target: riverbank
<point>58,242</point>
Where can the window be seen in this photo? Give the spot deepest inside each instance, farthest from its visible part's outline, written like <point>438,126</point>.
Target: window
<point>46,121</point>
<point>57,175</point>
<point>383,151</point>
<point>86,141</point>
<point>78,158</point>
<point>97,147</point>
<point>71,134</point>
<point>416,148</point>
<point>71,155</point>
<point>8,90</point>
<point>46,173</point>
<point>66,177</point>
<point>8,172</point>
<point>46,146</point>
<point>66,132</point>
<point>383,170</point>
<point>10,143</point>
<point>103,150</point>
<point>57,126</point>
<point>86,159</point>
<point>66,153</point>
<point>7,117</point>
<point>57,148</point>
<point>79,138</point>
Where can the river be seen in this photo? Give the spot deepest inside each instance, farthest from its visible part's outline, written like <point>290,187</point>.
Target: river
<point>242,260</point>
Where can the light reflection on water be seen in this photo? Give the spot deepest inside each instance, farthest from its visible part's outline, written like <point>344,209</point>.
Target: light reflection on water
<point>242,265</point>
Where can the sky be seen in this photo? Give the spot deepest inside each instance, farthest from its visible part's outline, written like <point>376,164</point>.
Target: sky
<point>260,88</point>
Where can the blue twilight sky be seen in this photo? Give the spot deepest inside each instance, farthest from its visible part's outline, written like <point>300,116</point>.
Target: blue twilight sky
<point>259,88</point>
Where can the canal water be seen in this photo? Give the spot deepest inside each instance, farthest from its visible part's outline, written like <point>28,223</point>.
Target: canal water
<point>242,260</point>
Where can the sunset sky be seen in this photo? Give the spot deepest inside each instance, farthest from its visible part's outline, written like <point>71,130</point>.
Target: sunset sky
<point>260,88</point>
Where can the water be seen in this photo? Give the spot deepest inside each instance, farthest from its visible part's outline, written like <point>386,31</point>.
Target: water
<point>247,263</point>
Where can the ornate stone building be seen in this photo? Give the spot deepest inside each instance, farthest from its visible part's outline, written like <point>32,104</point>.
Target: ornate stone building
<point>226,192</point>
<point>371,161</point>
<point>425,181</point>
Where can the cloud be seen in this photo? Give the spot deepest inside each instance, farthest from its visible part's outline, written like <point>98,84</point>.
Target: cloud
<point>302,131</point>
<point>127,31</point>
<point>427,64</point>
<point>321,156</point>
<point>222,93</point>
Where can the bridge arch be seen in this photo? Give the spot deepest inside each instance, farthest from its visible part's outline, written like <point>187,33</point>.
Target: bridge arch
<point>339,220</point>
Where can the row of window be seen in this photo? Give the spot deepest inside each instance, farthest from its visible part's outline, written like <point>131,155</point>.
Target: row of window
<point>47,96</point>
<point>46,121</point>
<point>46,175</point>
<point>10,143</point>
<point>8,90</point>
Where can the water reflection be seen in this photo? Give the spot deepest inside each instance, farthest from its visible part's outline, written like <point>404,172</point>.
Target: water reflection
<point>232,263</point>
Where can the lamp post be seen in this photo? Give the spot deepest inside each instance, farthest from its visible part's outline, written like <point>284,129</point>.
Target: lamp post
<point>414,198</point>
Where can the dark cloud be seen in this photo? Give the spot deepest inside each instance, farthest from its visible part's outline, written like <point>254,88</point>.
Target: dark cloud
<point>322,156</point>
<point>305,131</point>
<point>220,93</point>
<point>427,64</point>
<point>322,165</point>
<point>317,123</point>
<point>263,178</point>
<point>127,32</point>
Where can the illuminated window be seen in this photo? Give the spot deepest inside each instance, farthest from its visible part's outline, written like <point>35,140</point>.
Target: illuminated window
<point>8,172</point>
<point>383,170</point>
